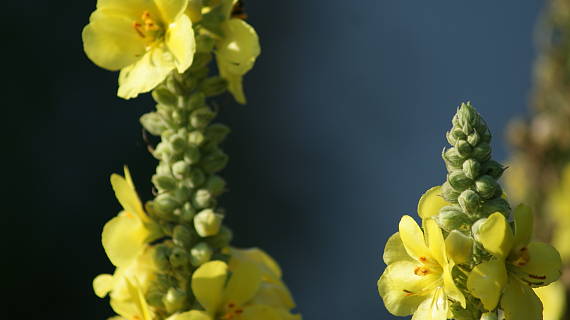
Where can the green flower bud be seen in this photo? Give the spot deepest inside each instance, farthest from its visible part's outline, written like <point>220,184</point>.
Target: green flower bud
<point>183,236</point>
<point>173,85</point>
<point>178,257</point>
<point>200,254</point>
<point>452,218</point>
<point>448,193</point>
<point>164,204</point>
<point>493,169</point>
<point>471,168</point>
<point>473,139</point>
<point>197,100</point>
<point>178,143</point>
<point>164,96</point>
<point>174,300</point>
<point>178,117</point>
<point>459,247</point>
<point>458,180</point>
<point>182,194</point>
<point>202,198</point>
<point>214,161</point>
<point>196,178</point>
<point>214,86</point>
<point>222,239</point>
<point>482,152</point>
<point>204,43</point>
<point>163,169</point>
<point>495,205</point>
<point>192,155</point>
<point>215,185</point>
<point>207,223</point>
<point>163,151</point>
<point>487,187</point>
<point>469,201</point>
<point>161,257</point>
<point>153,123</point>
<point>164,182</point>
<point>452,158</point>
<point>188,213</point>
<point>463,148</point>
<point>489,316</point>
<point>154,298</point>
<point>201,60</point>
<point>217,133</point>
<point>180,169</point>
<point>201,117</point>
<point>195,138</point>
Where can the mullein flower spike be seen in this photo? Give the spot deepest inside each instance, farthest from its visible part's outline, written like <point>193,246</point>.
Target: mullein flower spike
<point>172,254</point>
<point>469,262</point>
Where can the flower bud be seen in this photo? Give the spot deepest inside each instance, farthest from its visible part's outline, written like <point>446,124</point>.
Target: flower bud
<point>183,236</point>
<point>161,257</point>
<point>222,239</point>
<point>452,218</point>
<point>180,169</point>
<point>202,198</point>
<point>195,138</point>
<point>495,205</point>
<point>153,123</point>
<point>201,117</point>
<point>458,180</point>
<point>163,151</point>
<point>215,185</point>
<point>493,168</point>
<point>217,133</point>
<point>188,213</point>
<point>473,138</point>
<point>174,300</point>
<point>487,187</point>
<point>154,298</point>
<point>471,168</point>
<point>173,85</point>
<point>200,254</point>
<point>164,182</point>
<point>201,60</point>
<point>463,148</point>
<point>469,201</point>
<point>196,178</point>
<point>207,223</point>
<point>192,155</point>
<point>164,204</point>
<point>448,193</point>
<point>482,152</point>
<point>197,100</point>
<point>214,86</point>
<point>178,257</point>
<point>452,158</point>
<point>163,96</point>
<point>459,247</point>
<point>178,143</point>
<point>215,161</point>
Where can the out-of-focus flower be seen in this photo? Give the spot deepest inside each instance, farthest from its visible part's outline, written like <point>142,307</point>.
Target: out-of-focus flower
<point>553,297</point>
<point>145,39</point>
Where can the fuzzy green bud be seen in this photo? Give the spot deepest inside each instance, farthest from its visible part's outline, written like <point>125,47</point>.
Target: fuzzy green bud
<point>183,236</point>
<point>469,201</point>
<point>201,117</point>
<point>178,143</point>
<point>174,300</point>
<point>161,257</point>
<point>195,138</point>
<point>215,185</point>
<point>207,223</point>
<point>200,254</point>
<point>487,187</point>
<point>192,155</point>
<point>471,168</point>
<point>215,161</point>
<point>180,169</point>
<point>214,86</point>
<point>452,218</point>
<point>217,133</point>
<point>202,198</point>
<point>448,193</point>
<point>458,180</point>
<point>196,178</point>
<point>164,182</point>
<point>178,257</point>
<point>452,158</point>
<point>222,239</point>
<point>482,152</point>
<point>153,123</point>
<point>187,213</point>
<point>473,139</point>
<point>493,169</point>
<point>163,96</point>
<point>463,148</point>
<point>164,204</point>
<point>495,205</point>
<point>154,298</point>
<point>459,247</point>
<point>197,100</point>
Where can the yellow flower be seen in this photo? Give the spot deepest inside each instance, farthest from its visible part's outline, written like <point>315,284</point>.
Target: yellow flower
<point>127,287</point>
<point>236,52</point>
<point>518,265</point>
<point>237,296</point>
<point>431,202</point>
<point>418,278</point>
<point>553,297</point>
<point>145,39</point>
<point>126,235</point>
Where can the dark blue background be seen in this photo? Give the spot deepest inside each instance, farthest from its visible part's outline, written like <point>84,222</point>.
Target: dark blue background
<point>349,104</point>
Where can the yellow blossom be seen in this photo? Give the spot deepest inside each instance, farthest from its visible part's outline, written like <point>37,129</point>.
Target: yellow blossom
<point>418,277</point>
<point>145,39</point>
<point>517,266</point>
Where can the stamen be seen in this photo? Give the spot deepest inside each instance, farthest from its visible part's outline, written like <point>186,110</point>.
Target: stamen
<point>523,257</point>
<point>423,259</point>
<point>408,293</point>
<point>421,271</point>
<point>138,27</point>
<point>537,277</point>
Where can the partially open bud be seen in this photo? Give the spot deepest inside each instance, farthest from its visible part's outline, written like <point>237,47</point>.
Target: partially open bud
<point>200,254</point>
<point>459,247</point>
<point>207,223</point>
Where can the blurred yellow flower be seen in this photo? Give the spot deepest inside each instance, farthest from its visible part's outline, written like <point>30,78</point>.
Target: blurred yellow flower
<point>553,297</point>
<point>418,277</point>
<point>145,39</point>
<point>559,209</point>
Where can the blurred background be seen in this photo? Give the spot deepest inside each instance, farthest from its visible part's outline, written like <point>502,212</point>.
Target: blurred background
<point>348,107</point>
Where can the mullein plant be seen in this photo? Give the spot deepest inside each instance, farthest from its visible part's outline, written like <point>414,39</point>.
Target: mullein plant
<point>540,164</point>
<point>172,254</point>
<point>472,257</point>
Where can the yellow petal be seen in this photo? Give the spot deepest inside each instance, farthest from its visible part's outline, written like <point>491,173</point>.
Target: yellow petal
<point>459,247</point>
<point>180,41</point>
<point>274,295</point>
<point>208,284</point>
<point>451,289</point>
<point>543,265</point>
<point>519,302</point>
<point>191,315</point>
<point>133,8</point>
<point>123,239</point>
<point>243,284</point>
<point>127,195</point>
<point>103,284</point>
<point>553,299</point>
<point>110,41</point>
<point>395,250</point>
<point>523,226</point>
<point>413,238</point>
<point>140,302</point>
<point>171,10</point>
<point>486,282</point>
<point>260,312</point>
<point>495,235</point>
<point>268,265</point>
<point>436,242</point>
<point>435,307</point>
<point>145,74</point>
<point>401,289</point>
<point>431,202</point>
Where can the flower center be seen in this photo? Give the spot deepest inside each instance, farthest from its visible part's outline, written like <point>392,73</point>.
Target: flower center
<point>232,312</point>
<point>522,257</point>
<point>148,28</point>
